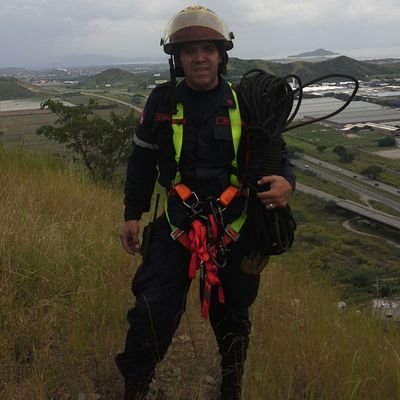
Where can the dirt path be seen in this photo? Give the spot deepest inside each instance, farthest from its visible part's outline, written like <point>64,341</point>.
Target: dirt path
<point>346,225</point>
<point>190,369</point>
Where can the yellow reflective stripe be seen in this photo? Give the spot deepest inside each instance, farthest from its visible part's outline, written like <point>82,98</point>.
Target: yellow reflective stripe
<point>234,180</point>
<point>177,136</point>
<point>166,212</point>
<point>237,224</point>
<point>236,131</point>
<point>236,127</point>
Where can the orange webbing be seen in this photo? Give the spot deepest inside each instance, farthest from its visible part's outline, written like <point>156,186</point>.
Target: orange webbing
<point>201,251</point>
<point>183,191</point>
<point>228,195</point>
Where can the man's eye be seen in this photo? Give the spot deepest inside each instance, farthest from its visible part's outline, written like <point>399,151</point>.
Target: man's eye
<point>209,49</point>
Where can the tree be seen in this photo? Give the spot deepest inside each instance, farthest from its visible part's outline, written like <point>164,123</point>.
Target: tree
<point>343,154</point>
<point>373,171</point>
<point>101,144</point>
<point>339,150</point>
<point>321,148</point>
<point>386,142</point>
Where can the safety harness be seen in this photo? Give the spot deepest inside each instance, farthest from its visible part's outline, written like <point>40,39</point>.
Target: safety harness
<point>208,237</point>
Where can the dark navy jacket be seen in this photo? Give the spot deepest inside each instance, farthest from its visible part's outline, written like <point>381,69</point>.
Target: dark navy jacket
<point>207,150</point>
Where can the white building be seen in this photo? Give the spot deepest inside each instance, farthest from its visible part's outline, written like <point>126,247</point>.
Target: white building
<point>386,309</point>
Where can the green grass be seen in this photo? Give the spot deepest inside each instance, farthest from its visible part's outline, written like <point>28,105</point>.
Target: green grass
<point>364,145</point>
<point>64,293</point>
<point>332,188</point>
<point>305,348</point>
<point>63,280</point>
<point>19,128</point>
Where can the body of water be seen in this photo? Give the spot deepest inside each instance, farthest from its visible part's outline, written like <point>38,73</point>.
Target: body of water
<point>23,105</point>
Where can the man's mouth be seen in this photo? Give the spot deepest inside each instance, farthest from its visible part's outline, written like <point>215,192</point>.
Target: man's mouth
<point>201,69</point>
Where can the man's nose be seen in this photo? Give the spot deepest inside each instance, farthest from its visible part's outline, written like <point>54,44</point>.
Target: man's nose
<point>199,55</point>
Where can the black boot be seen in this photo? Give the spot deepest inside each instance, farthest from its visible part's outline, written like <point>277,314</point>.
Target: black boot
<point>233,353</point>
<point>137,388</point>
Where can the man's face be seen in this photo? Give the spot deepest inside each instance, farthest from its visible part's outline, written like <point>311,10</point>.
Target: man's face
<point>200,61</point>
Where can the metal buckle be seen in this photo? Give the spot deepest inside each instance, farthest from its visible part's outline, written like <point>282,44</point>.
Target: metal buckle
<point>195,196</point>
<point>232,233</point>
<point>196,207</point>
<point>215,261</point>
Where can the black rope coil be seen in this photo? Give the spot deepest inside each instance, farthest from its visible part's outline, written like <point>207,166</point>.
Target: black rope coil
<point>266,104</point>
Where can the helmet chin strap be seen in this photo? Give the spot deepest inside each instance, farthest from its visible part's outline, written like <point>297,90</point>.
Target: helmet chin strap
<point>172,73</point>
<point>172,85</point>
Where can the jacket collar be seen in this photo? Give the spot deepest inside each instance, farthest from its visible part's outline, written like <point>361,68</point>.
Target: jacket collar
<point>225,93</point>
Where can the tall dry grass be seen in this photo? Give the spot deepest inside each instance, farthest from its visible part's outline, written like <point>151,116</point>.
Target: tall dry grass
<point>64,293</point>
<point>305,347</point>
<point>63,281</point>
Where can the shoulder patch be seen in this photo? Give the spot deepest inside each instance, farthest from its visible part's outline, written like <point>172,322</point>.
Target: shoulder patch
<point>222,121</point>
<point>161,117</point>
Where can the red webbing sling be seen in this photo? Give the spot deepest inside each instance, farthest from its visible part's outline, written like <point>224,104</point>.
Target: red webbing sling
<point>205,235</point>
<point>202,247</point>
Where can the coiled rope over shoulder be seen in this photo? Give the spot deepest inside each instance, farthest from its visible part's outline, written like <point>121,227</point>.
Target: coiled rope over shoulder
<point>267,108</point>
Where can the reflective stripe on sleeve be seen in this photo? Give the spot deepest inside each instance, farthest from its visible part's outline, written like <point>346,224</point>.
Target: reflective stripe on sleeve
<point>143,144</point>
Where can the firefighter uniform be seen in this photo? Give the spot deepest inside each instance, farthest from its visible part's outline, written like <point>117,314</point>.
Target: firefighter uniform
<point>161,282</point>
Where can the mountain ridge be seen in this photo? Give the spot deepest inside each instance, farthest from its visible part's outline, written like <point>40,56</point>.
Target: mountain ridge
<point>11,88</point>
<point>315,53</point>
<point>311,70</point>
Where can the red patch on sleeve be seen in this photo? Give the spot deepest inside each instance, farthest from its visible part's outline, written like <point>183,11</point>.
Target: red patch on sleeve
<point>222,121</point>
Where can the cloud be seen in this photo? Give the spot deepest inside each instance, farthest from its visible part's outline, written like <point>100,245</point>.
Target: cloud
<point>43,29</point>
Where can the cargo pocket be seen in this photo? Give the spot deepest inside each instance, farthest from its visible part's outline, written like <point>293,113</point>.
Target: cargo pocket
<point>223,143</point>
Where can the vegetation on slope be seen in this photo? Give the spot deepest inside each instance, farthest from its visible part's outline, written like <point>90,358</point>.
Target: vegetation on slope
<point>63,280</point>
<point>112,76</point>
<point>65,292</point>
<point>12,88</point>
<point>311,70</point>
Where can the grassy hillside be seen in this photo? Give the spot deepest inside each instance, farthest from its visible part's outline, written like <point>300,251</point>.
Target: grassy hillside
<point>311,70</point>
<point>65,291</point>
<point>113,76</point>
<point>63,280</point>
<point>12,88</point>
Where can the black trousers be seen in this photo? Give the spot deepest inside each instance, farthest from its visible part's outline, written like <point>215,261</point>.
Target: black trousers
<point>160,286</point>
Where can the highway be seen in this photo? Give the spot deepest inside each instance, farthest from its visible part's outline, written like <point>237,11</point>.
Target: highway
<point>138,109</point>
<point>357,183</point>
<point>360,209</point>
<point>388,195</point>
<point>352,174</point>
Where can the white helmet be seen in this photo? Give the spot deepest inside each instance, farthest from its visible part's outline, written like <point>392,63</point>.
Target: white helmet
<point>195,23</point>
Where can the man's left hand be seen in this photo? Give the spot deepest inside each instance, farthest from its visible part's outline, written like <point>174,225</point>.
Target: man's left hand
<point>278,194</point>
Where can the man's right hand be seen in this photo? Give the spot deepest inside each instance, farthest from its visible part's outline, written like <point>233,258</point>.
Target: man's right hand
<point>130,236</point>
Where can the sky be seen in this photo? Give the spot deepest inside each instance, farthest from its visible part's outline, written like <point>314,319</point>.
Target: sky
<point>40,32</point>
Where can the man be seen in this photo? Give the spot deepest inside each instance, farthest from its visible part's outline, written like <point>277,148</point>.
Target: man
<point>189,139</point>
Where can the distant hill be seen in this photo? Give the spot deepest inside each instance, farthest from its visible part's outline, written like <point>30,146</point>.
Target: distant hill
<point>12,88</point>
<point>113,76</point>
<point>82,60</point>
<point>315,53</point>
<point>310,70</point>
